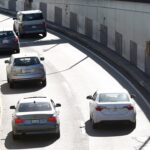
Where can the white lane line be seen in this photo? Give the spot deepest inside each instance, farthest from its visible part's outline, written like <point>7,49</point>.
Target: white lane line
<point>145,101</point>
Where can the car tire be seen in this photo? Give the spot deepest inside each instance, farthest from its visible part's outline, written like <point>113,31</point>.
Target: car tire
<point>11,85</point>
<point>15,137</point>
<point>133,125</point>
<point>44,83</point>
<point>57,135</point>
<point>90,118</point>
<point>44,34</point>
<point>17,51</point>
<point>7,79</point>
<point>20,35</point>
<point>94,125</point>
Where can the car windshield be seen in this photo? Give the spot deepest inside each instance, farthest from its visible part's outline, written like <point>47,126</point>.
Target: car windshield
<point>6,34</point>
<point>26,61</point>
<point>34,106</point>
<point>31,17</point>
<point>113,97</point>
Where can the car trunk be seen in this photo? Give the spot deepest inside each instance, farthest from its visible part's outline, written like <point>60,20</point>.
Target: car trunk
<point>115,108</point>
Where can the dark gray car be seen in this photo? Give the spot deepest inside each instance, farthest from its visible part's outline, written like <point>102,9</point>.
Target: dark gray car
<point>35,115</point>
<point>9,42</point>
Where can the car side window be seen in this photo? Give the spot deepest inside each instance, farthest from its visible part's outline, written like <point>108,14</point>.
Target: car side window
<point>94,96</point>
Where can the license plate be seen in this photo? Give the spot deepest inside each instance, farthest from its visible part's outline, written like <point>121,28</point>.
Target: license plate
<point>27,71</point>
<point>5,41</point>
<point>35,121</point>
<point>43,121</point>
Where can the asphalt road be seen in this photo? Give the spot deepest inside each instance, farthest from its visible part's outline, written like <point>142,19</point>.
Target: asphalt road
<point>72,74</point>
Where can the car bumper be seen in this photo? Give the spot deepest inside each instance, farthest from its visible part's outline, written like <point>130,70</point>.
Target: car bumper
<point>33,31</point>
<point>43,129</point>
<point>28,78</point>
<point>9,49</point>
<point>124,117</point>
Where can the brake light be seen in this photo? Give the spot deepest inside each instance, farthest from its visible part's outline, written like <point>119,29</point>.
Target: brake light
<point>19,120</point>
<point>129,107</point>
<point>52,119</point>
<point>99,108</point>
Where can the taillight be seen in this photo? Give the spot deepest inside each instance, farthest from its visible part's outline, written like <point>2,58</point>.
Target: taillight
<point>99,108</point>
<point>52,119</point>
<point>129,107</point>
<point>19,120</point>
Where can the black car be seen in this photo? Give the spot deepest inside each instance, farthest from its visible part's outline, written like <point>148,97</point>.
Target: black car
<point>9,42</point>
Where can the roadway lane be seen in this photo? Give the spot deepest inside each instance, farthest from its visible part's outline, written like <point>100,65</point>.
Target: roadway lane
<point>72,74</point>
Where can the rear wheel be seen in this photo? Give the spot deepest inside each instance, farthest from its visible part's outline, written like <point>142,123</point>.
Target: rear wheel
<point>44,34</point>
<point>133,125</point>
<point>11,85</point>
<point>20,35</point>
<point>7,79</point>
<point>15,137</point>
<point>17,51</point>
<point>44,83</point>
<point>58,133</point>
<point>94,125</point>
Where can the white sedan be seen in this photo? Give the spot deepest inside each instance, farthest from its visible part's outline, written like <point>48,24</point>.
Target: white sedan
<point>112,105</point>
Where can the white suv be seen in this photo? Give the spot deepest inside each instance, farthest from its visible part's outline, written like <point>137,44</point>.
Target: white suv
<point>30,21</point>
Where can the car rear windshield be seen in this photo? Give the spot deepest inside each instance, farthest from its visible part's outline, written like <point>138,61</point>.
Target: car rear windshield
<point>31,17</point>
<point>34,106</point>
<point>26,61</point>
<point>6,34</point>
<point>113,97</point>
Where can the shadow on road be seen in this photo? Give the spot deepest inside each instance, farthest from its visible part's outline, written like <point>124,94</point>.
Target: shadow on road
<point>30,141</point>
<point>70,67</point>
<point>35,40</point>
<point>5,55</point>
<point>107,129</point>
<point>20,88</point>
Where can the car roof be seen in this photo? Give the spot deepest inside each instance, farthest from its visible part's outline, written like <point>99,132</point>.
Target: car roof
<point>30,11</point>
<point>29,54</point>
<point>112,90</point>
<point>34,99</point>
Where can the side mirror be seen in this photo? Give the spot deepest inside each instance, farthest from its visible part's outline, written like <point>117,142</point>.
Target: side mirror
<point>7,61</point>
<point>41,58</point>
<point>133,96</point>
<point>58,105</point>
<point>12,107</point>
<point>90,97</point>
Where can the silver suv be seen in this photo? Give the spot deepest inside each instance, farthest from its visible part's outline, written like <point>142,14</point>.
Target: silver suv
<point>30,21</point>
<point>25,67</point>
